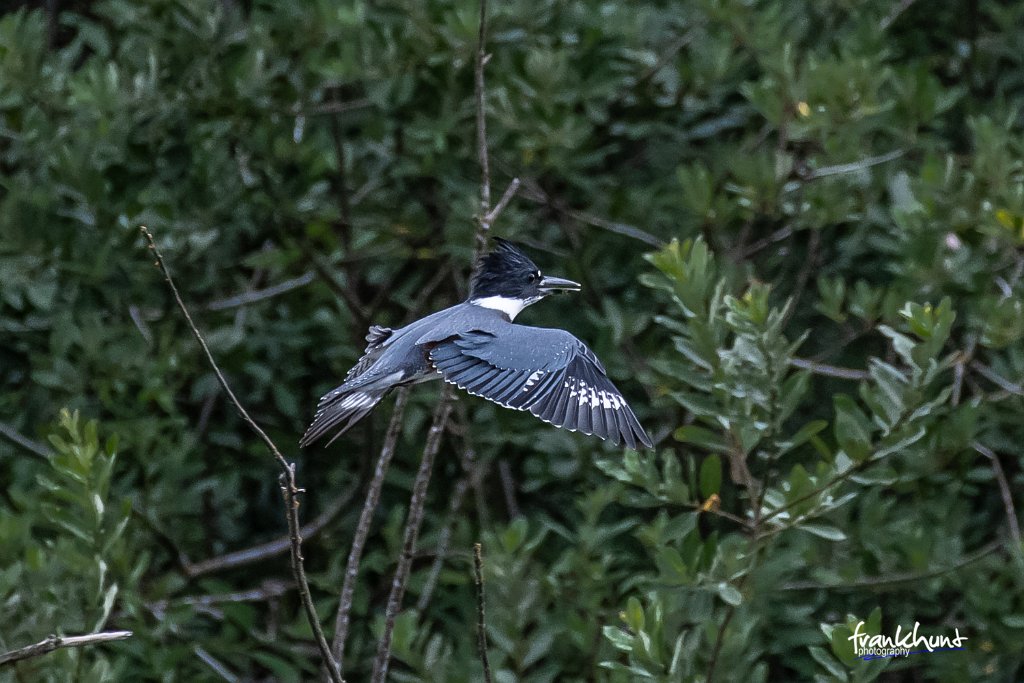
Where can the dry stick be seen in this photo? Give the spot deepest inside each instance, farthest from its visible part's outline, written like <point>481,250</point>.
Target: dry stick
<point>470,475</point>
<point>57,642</point>
<point>412,529</point>
<point>481,129</point>
<point>215,664</point>
<point>829,370</point>
<point>1004,490</point>
<point>255,295</point>
<point>444,539</point>
<point>894,580</point>
<point>355,555</point>
<point>510,192</point>
<point>536,194</point>
<point>289,488</point>
<point>269,589</point>
<point>36,448</point>
<point>481,632</point>
<point>996,379</point>
<point>263,551</point>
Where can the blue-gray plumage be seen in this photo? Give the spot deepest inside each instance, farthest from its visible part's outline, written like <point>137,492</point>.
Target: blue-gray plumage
<point>475,346</point>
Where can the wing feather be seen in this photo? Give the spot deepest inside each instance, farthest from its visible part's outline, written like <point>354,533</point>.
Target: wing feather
<point>547,372</point>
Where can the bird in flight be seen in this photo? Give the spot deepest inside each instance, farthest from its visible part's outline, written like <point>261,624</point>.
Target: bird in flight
<point>476,346</point>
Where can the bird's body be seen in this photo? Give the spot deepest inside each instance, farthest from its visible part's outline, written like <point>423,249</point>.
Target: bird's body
<point>476,346</point>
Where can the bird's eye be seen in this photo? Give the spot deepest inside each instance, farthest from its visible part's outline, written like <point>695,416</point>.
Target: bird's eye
<point>532,278</point>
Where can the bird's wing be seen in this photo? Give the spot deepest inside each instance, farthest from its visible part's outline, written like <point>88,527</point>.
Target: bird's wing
<point>376,340</point>
<point>548,372</point>
<point>347,404</point>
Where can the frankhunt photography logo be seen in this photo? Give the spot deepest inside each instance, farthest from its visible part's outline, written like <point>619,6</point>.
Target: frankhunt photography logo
<point>903,644</point>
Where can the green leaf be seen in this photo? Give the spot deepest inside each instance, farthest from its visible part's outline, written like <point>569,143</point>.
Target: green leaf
<point>619,638</point>
<point>699,436</point>
<point>729,594</point>
<point>634,615</point>
<point>851,429</point>
<point>710,476</point>
<point>823,531</point>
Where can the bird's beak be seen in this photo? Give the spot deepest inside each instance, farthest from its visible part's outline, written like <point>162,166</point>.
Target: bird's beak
<point>550,285</point>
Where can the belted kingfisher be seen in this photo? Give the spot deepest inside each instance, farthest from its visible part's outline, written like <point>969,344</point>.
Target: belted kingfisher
<point>475,346</point>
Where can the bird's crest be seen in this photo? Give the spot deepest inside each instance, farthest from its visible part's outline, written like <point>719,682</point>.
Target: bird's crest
<point>500,267</point>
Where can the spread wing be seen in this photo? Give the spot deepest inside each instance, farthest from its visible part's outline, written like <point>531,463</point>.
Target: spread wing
<point>548,372</point>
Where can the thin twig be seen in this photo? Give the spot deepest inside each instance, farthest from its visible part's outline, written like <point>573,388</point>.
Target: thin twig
<point>719,640</point>
<point>31,445</point>
<point>481,127</point>
<point>412,529</point>
<point>1004,490</point>
<point>996,379</point>
<point>777,236</point>
<point>57,642</point>
<point>508,487</point>
<point>810,264</point>
<point>837,479</point>
<point>344,203</point>
<point>290,493</point>
<point>481,622</point>
<point>880,582</point>
<point>616,227</point>
<point>278,546</point>
<point>337,107</point>
<point>289,488</point>
<point>829,370</point>
<point>341,622</point>
<point>855,166</point>
<point>255,295</point>
<point>510,192</point>
<point>470,470</point>
<point>215,664</point>
<point>271,588</point>
<point>901,7</point>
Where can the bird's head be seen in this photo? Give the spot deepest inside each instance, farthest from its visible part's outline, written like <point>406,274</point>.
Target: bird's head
<point>509,281</point>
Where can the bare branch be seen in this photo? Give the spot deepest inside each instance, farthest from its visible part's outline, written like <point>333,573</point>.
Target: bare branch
<point>472,470</point>
<point>508,487</point>
<point>31,445</point>
<point>481,623</point>
<point>896,580</point>
<point>57,642</point>
<point>341,622</point>
<point>412,529</point>
<point>481,123</point>
<point>255,295</point>
<point>829,370</point>
<point>510,192</point>
<point>777,236</point>
<point>278,546</point>
<point>996,378</point>
<point>535,193</point>
<point>616,227</point>
<point>719,640</point>
<point>854,166</point>
<point>337,107</point>
<point>271,588</point>
<point>289,488</point>
<point>901,7</point>
<point>215,664</point>
<point>1004,490</point>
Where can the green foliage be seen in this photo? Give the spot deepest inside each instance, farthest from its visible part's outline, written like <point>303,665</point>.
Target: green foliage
<point>65,556</point>
<point>830,196</point>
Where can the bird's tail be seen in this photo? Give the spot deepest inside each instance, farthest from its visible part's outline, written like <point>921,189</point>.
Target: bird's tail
<point>343,407</point>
